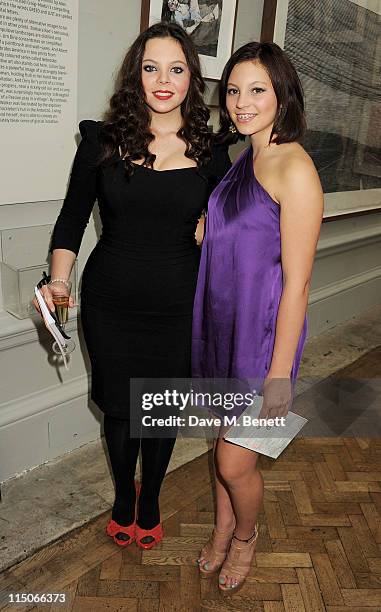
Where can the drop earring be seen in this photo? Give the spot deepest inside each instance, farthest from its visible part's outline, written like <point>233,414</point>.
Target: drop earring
<point>232,129</point>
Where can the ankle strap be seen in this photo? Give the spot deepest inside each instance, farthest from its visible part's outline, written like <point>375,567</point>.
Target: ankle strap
<point>248,540</point>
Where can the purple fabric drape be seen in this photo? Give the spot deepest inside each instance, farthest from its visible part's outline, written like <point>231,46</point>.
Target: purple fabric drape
<point>240,281</point>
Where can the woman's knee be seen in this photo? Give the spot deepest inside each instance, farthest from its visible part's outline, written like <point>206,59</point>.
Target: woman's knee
<point>233,470</point>
<point>230,474</point>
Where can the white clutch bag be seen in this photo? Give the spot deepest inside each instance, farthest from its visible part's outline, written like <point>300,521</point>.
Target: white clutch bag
<point>263,436</point>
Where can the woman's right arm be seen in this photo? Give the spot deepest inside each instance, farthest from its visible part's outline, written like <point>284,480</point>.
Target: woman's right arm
<point>61,265</point>
<point>76,209</point>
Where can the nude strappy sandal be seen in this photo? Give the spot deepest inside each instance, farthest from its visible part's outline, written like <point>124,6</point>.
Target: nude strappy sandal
<point>234,566</point>
<point>211,554</point>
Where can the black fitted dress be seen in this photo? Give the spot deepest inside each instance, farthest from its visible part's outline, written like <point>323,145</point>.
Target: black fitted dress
<point>139,281</point>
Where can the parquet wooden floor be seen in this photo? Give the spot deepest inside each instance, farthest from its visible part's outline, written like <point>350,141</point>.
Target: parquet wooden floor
<point>319,546</point>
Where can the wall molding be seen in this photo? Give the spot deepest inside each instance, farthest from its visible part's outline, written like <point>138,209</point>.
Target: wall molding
<point>350,282</point>
<point>36,403</point>
<point>334,245</point>
<point>16,332</point>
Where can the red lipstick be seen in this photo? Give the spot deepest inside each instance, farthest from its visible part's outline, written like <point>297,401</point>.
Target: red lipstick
<point>163,94</point>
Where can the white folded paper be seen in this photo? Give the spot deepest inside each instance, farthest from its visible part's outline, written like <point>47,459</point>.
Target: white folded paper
<point>268,440</point>
<point>51,324</point>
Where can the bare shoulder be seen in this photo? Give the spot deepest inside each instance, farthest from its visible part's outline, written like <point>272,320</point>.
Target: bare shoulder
<point>296,172</point>
<point>294,164</point>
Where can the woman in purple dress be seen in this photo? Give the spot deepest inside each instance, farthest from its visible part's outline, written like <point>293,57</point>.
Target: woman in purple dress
<point>250,307</point>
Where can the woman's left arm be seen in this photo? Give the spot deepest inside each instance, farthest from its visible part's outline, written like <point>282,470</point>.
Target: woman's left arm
<point>301,210</point>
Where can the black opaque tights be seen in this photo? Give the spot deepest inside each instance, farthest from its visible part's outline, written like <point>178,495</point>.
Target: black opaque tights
<point>123,452</point>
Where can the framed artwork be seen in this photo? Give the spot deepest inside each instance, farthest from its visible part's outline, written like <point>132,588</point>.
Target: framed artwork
<point>210,24</point>
<point>336,49</point>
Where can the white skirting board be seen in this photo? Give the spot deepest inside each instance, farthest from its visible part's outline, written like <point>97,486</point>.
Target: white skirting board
<point>327,309</point>
<point>46,434</point>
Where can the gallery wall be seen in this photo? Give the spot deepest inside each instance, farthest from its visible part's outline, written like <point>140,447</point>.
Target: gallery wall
<point>38,96</point>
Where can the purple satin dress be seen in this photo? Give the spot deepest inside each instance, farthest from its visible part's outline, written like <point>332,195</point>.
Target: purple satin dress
<point>240,281</point>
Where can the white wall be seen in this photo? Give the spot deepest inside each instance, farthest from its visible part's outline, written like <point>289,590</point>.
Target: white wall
<point>106,30</point>
<point>45,411</point>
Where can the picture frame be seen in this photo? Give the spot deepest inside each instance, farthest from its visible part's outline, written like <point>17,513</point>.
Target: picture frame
<point>210,23</point>
<point>323,40</point>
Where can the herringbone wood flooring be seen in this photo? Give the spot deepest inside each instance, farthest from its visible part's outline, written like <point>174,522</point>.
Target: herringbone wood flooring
<point>319,546</point>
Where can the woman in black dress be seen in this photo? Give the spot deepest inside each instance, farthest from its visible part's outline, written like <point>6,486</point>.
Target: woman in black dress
<point>151,165</point>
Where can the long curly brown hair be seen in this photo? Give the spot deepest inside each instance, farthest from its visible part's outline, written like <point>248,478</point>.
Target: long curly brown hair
<point>127,121</point>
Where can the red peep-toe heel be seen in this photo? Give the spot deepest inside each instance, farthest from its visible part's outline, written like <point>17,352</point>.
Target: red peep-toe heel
<point>113,528</point>
<point>156,533</point>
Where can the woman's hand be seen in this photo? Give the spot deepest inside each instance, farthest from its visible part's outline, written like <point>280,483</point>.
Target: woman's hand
<point>200,230</point>
<point>277,397</point>
<point>47,292</point>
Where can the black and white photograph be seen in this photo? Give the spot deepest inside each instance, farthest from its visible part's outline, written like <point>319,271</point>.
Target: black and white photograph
<point>209,23</point>
<point>336,49</point>
<point>201,19</point>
